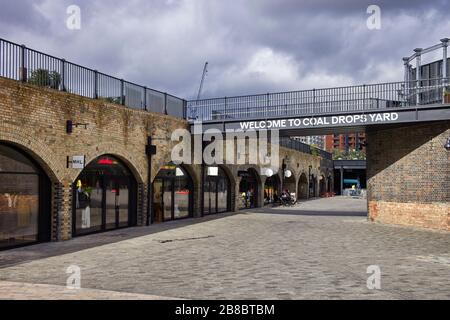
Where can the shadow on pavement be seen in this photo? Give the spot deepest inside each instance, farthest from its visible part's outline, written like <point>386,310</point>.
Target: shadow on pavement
<point>12,257</point>
<point>300,212</point>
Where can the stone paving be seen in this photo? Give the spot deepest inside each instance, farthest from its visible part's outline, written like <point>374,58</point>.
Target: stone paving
<point>260,254</point>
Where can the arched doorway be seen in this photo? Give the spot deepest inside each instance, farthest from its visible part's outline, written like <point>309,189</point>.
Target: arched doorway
<point>322,185</point>
<point>172,194</point>
<point>248,189</point>
<point>303,187</point>
<point>105,197</point>
<point>272,189</point>
<point>289,182</point>
<point>24,199</point>
<point>313,186</point>
<point>217,194</point>
<point>329,184</point>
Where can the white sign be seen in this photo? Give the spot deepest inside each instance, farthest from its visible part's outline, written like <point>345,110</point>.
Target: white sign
<point>370,118</point>
<point>77,162</point>
<point>213,171</point>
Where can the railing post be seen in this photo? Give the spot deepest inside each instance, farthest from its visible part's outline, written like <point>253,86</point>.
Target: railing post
<point>22,70</point>
<point>95,84</point>
<point>418,52</point>
<point>364,97</point>
<point>225,108</point>
<point>63,75</point>
<point>314,101</point>
<point>165,103</point>
<point>406,87</point>
<point>145,99</point>
<point>122,92</point>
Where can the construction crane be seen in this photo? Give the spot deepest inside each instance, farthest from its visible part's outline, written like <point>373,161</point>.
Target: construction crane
<point>205,71</point>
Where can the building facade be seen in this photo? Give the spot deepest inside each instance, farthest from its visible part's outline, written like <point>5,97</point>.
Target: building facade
<point>59,183</point>
<point>345,142</point>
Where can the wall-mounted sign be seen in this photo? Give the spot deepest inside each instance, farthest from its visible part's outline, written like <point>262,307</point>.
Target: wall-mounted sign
<point>213,171</point>
<point>76,162</point>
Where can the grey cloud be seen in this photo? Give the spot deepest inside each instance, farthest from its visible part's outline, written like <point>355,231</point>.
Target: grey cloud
<point>253,46</point>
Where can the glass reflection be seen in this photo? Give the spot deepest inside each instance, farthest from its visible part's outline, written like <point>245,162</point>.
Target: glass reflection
<point>19,199</point>
<point>171,194</point>
<point>102,196</point>
<point>216,187</point>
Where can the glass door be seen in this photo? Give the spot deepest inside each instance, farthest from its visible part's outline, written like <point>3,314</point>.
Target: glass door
<point>111,205</point>
<point>158,204</point>
<point>167,199</point>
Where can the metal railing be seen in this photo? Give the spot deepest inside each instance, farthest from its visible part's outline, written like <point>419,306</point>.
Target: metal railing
<point>322,101</point>
<point>297,145</point>
<point>20,63</point>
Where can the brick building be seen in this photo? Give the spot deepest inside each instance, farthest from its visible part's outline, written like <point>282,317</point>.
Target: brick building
<point>44,197</point>
<point>77,163</point>
<point>345,142</point>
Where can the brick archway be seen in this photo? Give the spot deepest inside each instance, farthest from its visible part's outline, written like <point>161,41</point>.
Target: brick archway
<point>37,150</point>
<point>134,163</point>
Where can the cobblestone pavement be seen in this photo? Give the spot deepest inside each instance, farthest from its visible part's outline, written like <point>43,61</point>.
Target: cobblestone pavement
<point>262,254</point>
<point>20,291</point>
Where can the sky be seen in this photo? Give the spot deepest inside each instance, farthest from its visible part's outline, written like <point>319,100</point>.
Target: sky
<point>252,46</point>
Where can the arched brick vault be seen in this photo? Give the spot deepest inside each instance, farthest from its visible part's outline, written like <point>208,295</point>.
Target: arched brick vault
<point>134,162</point>
<point>48,161</point>
<point>229,174</point>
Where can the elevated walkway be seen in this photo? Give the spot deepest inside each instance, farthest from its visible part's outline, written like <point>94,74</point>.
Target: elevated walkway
<point>322,111</point>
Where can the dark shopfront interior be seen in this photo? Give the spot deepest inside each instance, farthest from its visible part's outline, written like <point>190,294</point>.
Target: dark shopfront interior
<point>105,197</point>
<point>248,189</point>
<point>217,193</point>
<point>172,194</point>
<point>24,199</point>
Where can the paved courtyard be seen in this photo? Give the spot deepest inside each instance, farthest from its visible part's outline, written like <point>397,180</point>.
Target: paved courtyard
<point>319,249</point>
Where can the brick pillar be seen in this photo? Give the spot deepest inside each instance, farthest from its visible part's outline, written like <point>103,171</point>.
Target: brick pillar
<point>260,202</point>
<point>141,207</point>
<point>57,203</point>
<point>63,210</point>
<point>408,171</point>
<point>238,201</point>
<point>233,195</point>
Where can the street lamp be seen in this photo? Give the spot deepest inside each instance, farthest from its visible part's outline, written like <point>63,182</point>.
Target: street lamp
<point>447,145</point>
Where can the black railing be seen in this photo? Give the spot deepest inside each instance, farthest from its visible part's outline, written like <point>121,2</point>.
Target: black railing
<point>322,101</point>
<point>293,144</point>
<point>24,64</point>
